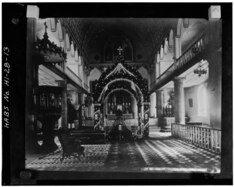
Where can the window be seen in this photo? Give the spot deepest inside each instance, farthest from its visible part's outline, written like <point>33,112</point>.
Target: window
<point>111,46</point>
<point>202,100</point>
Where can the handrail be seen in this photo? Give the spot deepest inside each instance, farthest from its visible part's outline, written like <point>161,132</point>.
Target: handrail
<point>204,137</point>
<point>73,76</point>
<point>194,49</point>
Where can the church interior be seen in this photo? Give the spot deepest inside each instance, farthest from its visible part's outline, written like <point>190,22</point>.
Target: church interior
<point>124,94</point>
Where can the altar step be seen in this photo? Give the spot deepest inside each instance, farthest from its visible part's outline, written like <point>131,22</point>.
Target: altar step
<point>90,136</point>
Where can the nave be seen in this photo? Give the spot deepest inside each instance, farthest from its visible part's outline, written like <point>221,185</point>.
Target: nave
<point>159,153</point>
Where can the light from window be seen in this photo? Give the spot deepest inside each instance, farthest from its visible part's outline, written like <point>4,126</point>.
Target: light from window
<point>202,101</point>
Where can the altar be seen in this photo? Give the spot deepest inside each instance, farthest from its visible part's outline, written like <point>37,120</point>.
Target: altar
<point>125,116</point>
<point>123,101</point>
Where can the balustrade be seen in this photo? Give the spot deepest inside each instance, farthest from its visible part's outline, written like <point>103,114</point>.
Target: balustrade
<point>203,137</point>
<point>197,47</point>
<point>73,76</point>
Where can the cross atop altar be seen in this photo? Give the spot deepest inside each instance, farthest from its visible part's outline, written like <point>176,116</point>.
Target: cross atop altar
<point>120,49</point>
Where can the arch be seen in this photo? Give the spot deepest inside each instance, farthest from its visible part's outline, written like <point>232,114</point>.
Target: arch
<point>120,79</point>
<point>60,31</point>
<point>171,39</point>
<point>179,27</point>
<point>68,46</point>
<point>118,89</point>
<point>144,72</point>
<point>114,42</point>
<point>95,74</point>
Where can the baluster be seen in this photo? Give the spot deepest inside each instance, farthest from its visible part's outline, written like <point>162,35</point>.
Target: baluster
<point>193,133</point>
<point>219,141</point>
<point>216,141</point>
<point>212,140</point>
<point>205,143</point>
<point>200,136</point>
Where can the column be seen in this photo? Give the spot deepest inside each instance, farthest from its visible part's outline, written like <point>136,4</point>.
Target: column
<point>179,100</point>
<point>64,121</point>
<point>159,101</point>
<point>145,128</point>
<point>153,105</point>
<point>97,117</point>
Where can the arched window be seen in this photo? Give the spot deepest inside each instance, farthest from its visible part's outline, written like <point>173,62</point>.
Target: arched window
<point>202,100</point>
<point>111,49</point>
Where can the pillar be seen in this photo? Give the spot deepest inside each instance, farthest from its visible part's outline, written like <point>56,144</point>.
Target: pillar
<point>179,100</point>
<point>134,108</point>
<point>98,125</point>
<point>64,121</point>
<point>153,105</point>
<point>145,127</point>
<point>159,101</point>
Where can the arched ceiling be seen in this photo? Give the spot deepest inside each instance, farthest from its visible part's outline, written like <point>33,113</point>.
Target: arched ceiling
<point>145,34</point>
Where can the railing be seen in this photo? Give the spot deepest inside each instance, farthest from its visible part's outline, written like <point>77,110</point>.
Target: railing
<point>197,47</point>
<point>60,67</point>
<point>203,137</point>
<point>73,76</point>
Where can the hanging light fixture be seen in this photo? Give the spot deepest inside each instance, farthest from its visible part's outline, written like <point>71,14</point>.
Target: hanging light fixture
<point>199,70</point>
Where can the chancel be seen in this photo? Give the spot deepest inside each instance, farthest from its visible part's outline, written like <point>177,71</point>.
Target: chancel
<point>123,94</point>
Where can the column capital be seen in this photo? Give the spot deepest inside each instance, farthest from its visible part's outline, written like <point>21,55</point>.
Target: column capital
<point>179,79</point>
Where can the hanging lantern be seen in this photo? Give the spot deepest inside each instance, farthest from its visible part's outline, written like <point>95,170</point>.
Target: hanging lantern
<point>68,46</point>
<point>53,24</point>
<point>76,56</point>
<point>199,70</point>
<point>60,31</point>
<point>72,50</point>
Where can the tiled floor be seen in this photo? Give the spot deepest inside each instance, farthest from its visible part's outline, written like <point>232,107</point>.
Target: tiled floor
<point>159,153</point>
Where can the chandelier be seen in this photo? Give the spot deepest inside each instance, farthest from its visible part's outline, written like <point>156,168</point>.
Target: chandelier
<point>199,70</point>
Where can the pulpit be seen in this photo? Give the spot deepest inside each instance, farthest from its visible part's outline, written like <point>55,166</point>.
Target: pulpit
<point>48,108</point>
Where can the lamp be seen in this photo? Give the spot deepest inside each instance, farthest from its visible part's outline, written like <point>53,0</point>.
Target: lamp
<point>199,70</point>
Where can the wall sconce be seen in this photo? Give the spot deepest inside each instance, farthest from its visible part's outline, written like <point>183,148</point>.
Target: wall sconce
<point>199,70</point>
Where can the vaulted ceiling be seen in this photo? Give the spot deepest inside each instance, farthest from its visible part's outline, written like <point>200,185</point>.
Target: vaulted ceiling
<point>145,34</point>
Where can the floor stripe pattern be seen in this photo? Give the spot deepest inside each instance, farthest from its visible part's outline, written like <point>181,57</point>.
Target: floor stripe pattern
<point>156,154</point>
<point>94,159</point>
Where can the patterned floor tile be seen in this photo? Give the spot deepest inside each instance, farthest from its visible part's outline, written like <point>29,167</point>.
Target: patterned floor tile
<point>159,153</point>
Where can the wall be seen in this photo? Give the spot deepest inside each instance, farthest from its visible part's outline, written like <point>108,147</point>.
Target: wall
<point>192,112</point>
